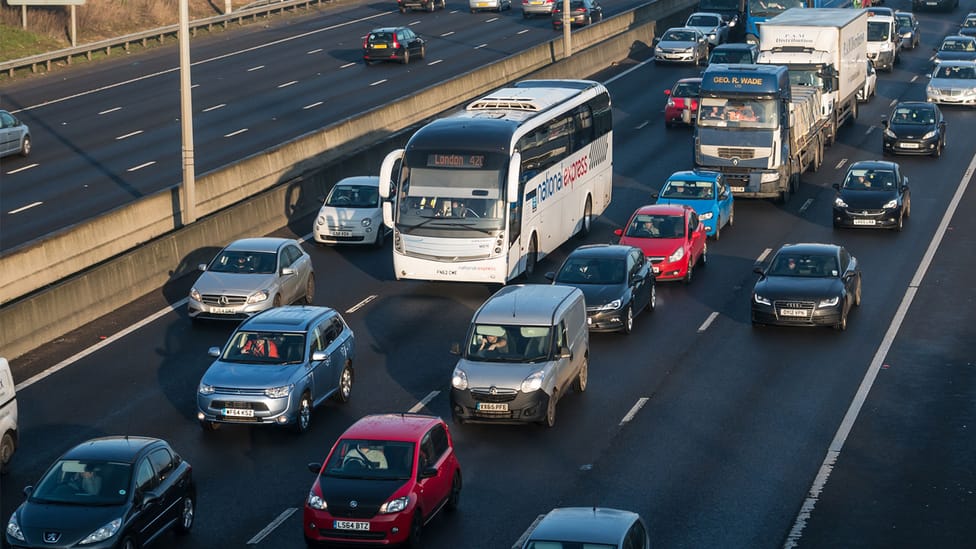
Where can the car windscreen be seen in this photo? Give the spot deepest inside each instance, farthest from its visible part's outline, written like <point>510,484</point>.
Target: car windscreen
<point>686,89</point>
<point>904,21</point>
<point>371,459</point>
<point>878,31</point>
<point>948,71</point>
<point>353,196</point>
<point>729,56</point>
<point>592,270</point>
<point>272,348</point>
<point>84,482</point>
<point>870,180</point>
<point>703,21</point>
<point>916,116</point>
<point>970,23</point>
<point>656,226</point>
<point>509,343</point>
<point>694,190</point>
<point>679,36</point>
<point>244,262</point>
<point>803,265</point>
<point>546,544</point>
<point>958,45</point>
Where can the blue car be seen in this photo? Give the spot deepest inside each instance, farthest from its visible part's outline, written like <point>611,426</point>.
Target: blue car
<point>706,192</point>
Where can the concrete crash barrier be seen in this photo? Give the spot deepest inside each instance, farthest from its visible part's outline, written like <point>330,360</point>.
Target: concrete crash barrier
<point>57,284</point>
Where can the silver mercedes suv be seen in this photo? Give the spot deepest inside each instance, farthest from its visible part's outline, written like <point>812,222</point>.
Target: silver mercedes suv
<point>277,367</point>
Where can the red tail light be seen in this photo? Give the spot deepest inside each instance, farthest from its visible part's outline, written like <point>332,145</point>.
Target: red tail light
<point>580,10</point>
<point>396,45</point>
<point>678,102</point>
<point>694,104</point>
<point>365,42</point>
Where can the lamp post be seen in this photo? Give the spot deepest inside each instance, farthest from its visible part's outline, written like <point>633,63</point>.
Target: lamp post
<point>188,202</point>
<point>567,44</point>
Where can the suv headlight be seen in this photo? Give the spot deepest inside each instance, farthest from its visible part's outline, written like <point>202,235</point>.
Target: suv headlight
<point>195,295</point>
<point>532,383</point>
<point>890,133</point>
<point>839,202</point>
<point>103,533</point>
<point>677,255</point>
<point>761,300</point>
<point>279,392</point>
<point>13,528</point>
<point>316,502</point>
<point>459,380</point>
<point>205,389</point>
<point>829,302</point>
<point>258,297</point>
<point>612,306</point>
<point>395,505</point>
<point>929,135</point>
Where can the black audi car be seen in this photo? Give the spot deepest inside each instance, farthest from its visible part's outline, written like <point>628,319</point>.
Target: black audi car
<point>914,127</point>
<point>807,285</point>
<point>616,282</point>
<point>107,493</point>
<point>874,195</point>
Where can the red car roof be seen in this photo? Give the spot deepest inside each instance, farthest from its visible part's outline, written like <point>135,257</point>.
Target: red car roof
<point>399,427</point>
<point>662,209</point>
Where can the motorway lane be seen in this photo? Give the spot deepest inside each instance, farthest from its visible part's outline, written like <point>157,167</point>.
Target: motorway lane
<point>722,454</point>
<point>253,90</point>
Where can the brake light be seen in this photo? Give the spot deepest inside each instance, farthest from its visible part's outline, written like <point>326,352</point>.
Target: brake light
<point>365,42</point>
<point>580,10</point>
<point>396,45</point>
<point>694,104</point>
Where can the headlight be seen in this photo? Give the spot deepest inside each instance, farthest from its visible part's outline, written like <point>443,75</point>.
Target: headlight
<point>395,505</point>
<point>891,204</point>
<point>195,295</point>
<point>890,133</point>
<point>13,528</point>
<point>677,255</point>
<point>532,383</point>
<point>687,50</point>
<point>929,90</point>
<point>320,220</point>
<point>613,305</point>
<point>279,392</point>
<point>657,50</point>
<point>761,300</point>
<point>367,222</point>
<point>929,135</point>
<point>830,302</point>
<point>205,389</point>
<point>840,203</point>
<point>705,216</point>
<point>315,502</point>
<point>907,35</point>
<point>459,380</point>
<point>711,35</point>
<point>258,297</point>
<point>103,533</point>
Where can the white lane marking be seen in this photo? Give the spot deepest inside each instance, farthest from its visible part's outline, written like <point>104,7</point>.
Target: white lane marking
<point>478,47</point>
<point>27,207</point>
<point>238,132</point>
<point>103,343</point>
<point>642,124</point>
<point>347,65</point>
<point>210,60</point>
<point>195,86</point>
<point>141,166</point>
<point>418,406</point>
<point>893,103</point>
<point>378,82</point>
<point>870,129</point>
<point>762,256</point>
<point>111,110</point>
<point>257,68</point>
<point>215,107</point>
<point>312,106</point>
<point>361,304</point>
<point>634,409</point>
<point>270,527</point>
<point>840,164</point>
<point>914,78</point>
<point>448,33</point>
<point>523,31</point>
<point>833,452</point>
<point>525,535</point>
<point>492,19</point>
<point>130,134</point>
<point>435,62</point>
<point>708,322</point>
<point>23,168</point>
<point>286,84</point>
<point>412,23</point>
<point>806,205</point>
<point>313,51</point>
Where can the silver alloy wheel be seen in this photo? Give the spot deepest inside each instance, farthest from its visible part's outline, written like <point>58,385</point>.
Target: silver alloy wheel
<point>345,385</point>
<point>304,413</point>
<point>629,320</point>
<point>583,377</point>
<point>6,449</point>
<point>186,517</point>
<point>550,420</point>
<point>652,302</point>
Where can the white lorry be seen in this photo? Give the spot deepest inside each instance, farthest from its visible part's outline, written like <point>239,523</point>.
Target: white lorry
<point>8,415</point>
<point>825,48</point>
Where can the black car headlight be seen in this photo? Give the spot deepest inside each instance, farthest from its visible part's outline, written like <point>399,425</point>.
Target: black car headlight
<point>929,135</point>
<point>761,300</point>
<point>829,302</point>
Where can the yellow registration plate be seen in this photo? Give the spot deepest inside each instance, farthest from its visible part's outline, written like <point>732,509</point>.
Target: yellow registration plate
<point>379,46</point>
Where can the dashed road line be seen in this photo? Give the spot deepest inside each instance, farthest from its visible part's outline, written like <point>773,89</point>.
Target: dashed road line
<point>870,129</point>
<point>111,110</point>
<point>238,132</point>
<point>378,82</point>
<point>762,256</point>
<point>642,124</point>
<point>419,406</point>
<point>914,78</point>
<point>286,84</point>
<point>435,62</point>
<point>141,166</point>
<point>806,205</point>
<point>270,527</point>
<point>708,322</point>
<point>523,31</point>
<point>347,65</point>
<point>478,47</point>
<point>128,135</point>
<point>361,304</point>
<point>215,107</point>
<point>23,208</point>
<point>448,33</point>
<point>840,164</point>
<point>634,409</point>
<point>257,68</point>
<point>313,51</point>
<point>491,20</point>
<point>23,168</point>
<point>312,106</point>
<point>893,103</point>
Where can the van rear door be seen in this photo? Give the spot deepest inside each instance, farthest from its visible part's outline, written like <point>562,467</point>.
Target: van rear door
<point>8,415</point>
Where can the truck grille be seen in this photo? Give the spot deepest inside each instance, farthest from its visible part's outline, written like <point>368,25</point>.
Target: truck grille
<point>741,153</point>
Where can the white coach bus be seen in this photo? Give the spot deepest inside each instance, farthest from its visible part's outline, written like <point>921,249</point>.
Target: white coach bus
<point>484,194</point>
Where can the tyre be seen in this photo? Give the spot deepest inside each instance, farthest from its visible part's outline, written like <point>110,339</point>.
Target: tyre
<point>690,273</point>
<point>406,56</point>
<point>901,223</point>
<point>431,6</point>
<point>423,51</point>
<point>25,149</point>
<point>531,257</point>
<point>703,260</point>
<point>128,543</point>
<point>732,215</point>
<point>474,10</point>
<point>842,325</point>
<point>403,10</point>
<point>7,447</point>
<point>938,151</point>
<point>652,302</point>
<point>908,208</point>
<point>628,325</point>
<point>718,229</point>
<point>344,390</point>
<point>525,15</point>
<point>303,419</point>
<point>310,289</point>
<point>277,301</point>
<point>454,499</point>
<point>187,515</point>
<point>589,21</point>
<point>579,385</point>
<point>857,293</point>
<point>853,117</point>
<point>550,420</point>
<point>380,238</point>
<point>209,426</point>
<point>414,539</point>
<point>587,219</point>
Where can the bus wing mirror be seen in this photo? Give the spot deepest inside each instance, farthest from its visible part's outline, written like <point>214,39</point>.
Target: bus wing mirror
<point>386,172</point>
<point>388,213</point>
<point>512,189</point>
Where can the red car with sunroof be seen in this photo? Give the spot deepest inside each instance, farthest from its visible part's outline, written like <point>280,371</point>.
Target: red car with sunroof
<point>672,238</point>
<point>386,477</point>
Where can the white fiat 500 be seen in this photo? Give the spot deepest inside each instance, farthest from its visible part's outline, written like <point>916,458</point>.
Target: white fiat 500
<point>352,213</point>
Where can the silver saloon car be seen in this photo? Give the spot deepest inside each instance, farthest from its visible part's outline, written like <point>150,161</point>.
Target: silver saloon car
<point>277,367</point>
<point>681,45</point>
<point>252,275</point>
<point>953,83</point>
<point>14,136</point>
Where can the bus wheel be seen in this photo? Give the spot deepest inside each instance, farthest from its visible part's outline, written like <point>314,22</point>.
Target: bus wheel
<point>587,221</point>
<point>531,257</point>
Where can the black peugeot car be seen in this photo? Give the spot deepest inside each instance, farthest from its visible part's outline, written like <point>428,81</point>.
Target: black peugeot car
<point>807,285</point>
<point>914,127</point>
<point>107,493</point>
<point>616,282</point>
<point>874,195</point>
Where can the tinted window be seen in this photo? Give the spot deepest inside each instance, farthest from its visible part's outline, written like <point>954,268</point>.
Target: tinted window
<point>145,476</point>
<point>84,482</point>
<point>162,461</point>
<point>371,459</point>
<point>686,89</point>
<point>438,439</point>
<point>592,270</point>
<point>656,226</point>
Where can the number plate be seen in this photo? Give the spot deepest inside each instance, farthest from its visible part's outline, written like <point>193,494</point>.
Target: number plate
<point>379,46</point>
<point>864,222</point>
<point>493,406</point>
<point>340,233</point>
<point>238,412</point>
<point>222,310</point>
<point>350,525</point>
<point>908,145</point>
<point>801,313</point>
<point>738,189</point>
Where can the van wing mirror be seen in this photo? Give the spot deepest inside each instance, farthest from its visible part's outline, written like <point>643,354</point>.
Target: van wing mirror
<point>514,167</point>
<point>386,172</point>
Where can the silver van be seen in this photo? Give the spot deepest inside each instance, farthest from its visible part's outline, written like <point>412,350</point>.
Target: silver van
<point>525,347</point>
<point>8,415</point>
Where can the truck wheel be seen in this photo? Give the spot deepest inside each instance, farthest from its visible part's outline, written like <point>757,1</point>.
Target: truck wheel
<point>7,448</point>
<point>853,117</point>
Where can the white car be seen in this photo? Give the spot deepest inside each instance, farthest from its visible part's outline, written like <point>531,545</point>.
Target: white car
<point>352,213</point>
<point>870,83</point>
<point>711,25</point>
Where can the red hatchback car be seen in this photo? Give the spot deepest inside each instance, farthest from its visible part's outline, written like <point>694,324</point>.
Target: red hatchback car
<point>684,95</point>
<point>384,480</point>
<point>671,236</point>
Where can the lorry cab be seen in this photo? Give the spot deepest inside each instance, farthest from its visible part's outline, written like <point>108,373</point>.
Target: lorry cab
<point>884,42</point>
<point>8,415</point>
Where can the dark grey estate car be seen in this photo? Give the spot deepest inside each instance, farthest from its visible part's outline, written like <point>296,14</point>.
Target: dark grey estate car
<point>277,367</point>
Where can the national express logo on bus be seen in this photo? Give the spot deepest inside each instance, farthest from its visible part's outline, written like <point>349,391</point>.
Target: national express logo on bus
<point>554,183</point>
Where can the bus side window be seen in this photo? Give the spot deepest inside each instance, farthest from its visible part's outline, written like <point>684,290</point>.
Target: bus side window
<point>583,130</point>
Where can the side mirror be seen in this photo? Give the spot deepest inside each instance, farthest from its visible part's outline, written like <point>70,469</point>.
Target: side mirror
<point>514,167</point>
<point>884,121</point>
<point>148,498</point>
<point>667,92</point>
<point>428,472</point>
<point>202,266</point>
<point>655,195</point>
<point>214,352</point>
<point>564,352</point>
<point>455,349</point>
<point>657,39</point>
<point>388,214</point>
<point>28,490</point>
<point>319,356</point>
<point>285,271</point>
<point>315,467</point>
<point>550,276</point>
<point>618,232</point>
<point>759,271</point>
<point>836,186</point>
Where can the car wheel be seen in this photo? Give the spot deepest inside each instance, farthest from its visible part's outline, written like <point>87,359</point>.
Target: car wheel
<point>209,426</point>
<point>303,419</point>
<point>7,447</point>
<point>310,289</point>
<point>525,15</point>
<point>531,257</point>
<point>128,543</point>
<point>344,390</point>
<point>423,51</point>
<point>276,302</point>
<point>416,531</point>
<point>550,420</point>
<point>474,10</point>
<point>690,273</point>
<point>628,326</point>
<point>732,215</point>
<point>431,6</point>
<point>406,56</point>
<point>589,20</point>
<point>403,10</point>
<point>380,238</point>
<point>938,150</point>
<point>580,384</point>
<point>908,208</point>
<point>458,420</point>
<point>718,229</point>
<point>25,149</point>
<point>703,260</point>
<point>185,523</point>
<point>587,220</point>
<point>652,302</point>
<point>842,325</point>
<point>857,293</point>
<point>901,223</point>
<point>455,498</point>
